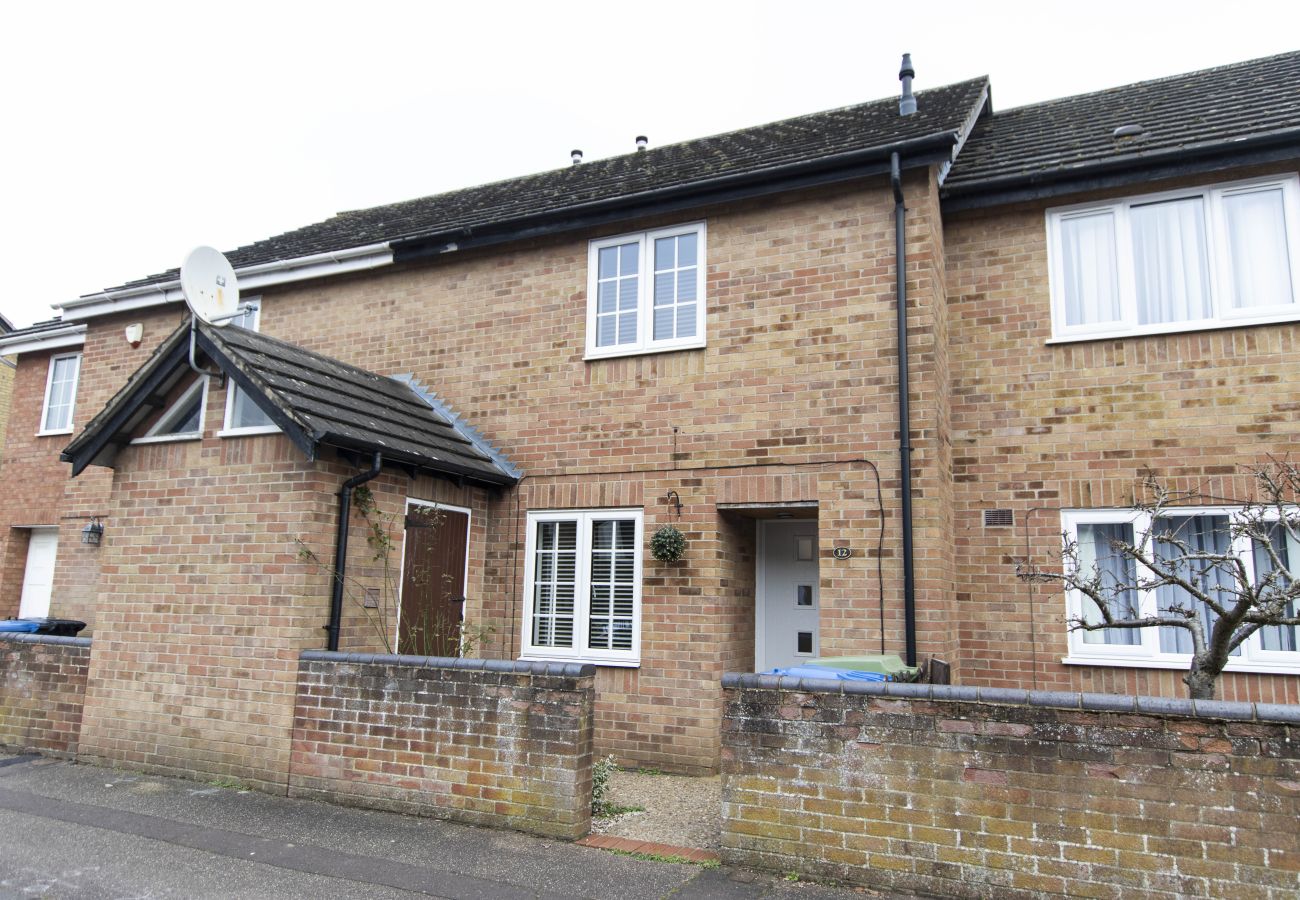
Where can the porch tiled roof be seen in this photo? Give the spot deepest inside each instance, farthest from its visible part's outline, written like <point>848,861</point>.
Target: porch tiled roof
<point>316,400</point>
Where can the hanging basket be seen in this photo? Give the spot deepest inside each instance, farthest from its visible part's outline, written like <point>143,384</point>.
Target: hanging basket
<point>668,544</point>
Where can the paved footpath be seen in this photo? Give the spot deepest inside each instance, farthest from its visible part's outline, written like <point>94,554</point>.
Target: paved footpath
<point>80,831</point>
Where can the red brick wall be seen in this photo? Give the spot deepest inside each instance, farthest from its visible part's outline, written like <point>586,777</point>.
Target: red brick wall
<point>506,745</point>
<point>963,793</point>
<point>1038,428</point>
<point>38,490</point>
<point>42,689</point>
<point>6,393</point>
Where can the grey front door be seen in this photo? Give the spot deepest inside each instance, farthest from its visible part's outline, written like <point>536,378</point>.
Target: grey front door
<point>787,600</point>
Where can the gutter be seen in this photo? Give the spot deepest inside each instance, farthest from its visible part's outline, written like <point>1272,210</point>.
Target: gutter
<point>48,339</point>
<point>341,548</point>
<point>285,271</point>
<point>904,410</point>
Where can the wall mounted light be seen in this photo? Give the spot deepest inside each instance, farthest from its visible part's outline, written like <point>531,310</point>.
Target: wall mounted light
<point>93,533</point>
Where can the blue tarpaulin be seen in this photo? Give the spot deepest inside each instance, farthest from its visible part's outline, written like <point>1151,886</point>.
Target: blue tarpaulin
<point>18,625</point>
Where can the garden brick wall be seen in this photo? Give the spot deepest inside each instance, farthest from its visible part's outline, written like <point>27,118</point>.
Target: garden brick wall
<point>979,792</point>
<point>42,689</point>
<point>502,744</point>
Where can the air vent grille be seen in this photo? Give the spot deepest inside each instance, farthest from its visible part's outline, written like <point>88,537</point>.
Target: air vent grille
<point>997,518</point>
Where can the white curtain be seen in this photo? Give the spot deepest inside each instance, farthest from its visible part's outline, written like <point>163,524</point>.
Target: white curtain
<point>1278,637</point>
<point>1203,534</point>
<point>1096,552</point>
<point>1170,263</point>
<point>1261,269</point>
<point>1088,269</point>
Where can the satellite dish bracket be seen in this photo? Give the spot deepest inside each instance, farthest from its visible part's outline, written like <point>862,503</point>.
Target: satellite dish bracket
<point>193,363</point>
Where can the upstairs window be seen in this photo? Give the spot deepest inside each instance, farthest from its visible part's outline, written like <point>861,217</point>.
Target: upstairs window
<point>1185,260</point>
<point>60,393</point>
<point>645,292</point>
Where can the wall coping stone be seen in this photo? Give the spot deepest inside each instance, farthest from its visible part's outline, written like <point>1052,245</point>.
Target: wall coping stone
<point>1118,703</point>
<point>20,637</point>
<point>501,666</point>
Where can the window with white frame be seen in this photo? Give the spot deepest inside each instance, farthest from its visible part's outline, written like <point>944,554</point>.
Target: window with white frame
<point>243,416</point>
<point>1204,257</point>
<point>645,292</point>
<point>1208,530</point>
<point>183,420</point>
<point>60,393</point>
<point>582,586</point>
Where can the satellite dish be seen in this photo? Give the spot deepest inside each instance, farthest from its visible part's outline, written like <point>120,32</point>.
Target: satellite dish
<point>209,285</point>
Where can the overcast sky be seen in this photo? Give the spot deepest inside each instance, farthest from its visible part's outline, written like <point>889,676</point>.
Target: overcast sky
<point>135,131</point>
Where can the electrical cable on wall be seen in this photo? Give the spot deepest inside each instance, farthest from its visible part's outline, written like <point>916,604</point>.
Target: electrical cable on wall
<point>880,506</point>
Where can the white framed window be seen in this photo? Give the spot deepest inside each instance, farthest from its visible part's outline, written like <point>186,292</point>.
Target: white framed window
<point>60,394</point>
<point>243,416</point>
<point>645,292</point>
<point>1204,257</point>
<point>1208,529</point>
<point>582,586</point>
<point>183,420</point>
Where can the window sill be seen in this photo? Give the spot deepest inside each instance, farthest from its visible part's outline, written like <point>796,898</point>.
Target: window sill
<point>167,438</point>
<point>54,432</point>
<point>611,663</point>
<point>594,355</point>
<point>248,432</point>
<point>1179,328</point>
<point>1251,667</point>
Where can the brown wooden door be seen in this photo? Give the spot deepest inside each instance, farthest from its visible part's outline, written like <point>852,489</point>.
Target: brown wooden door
<point>433,581</point>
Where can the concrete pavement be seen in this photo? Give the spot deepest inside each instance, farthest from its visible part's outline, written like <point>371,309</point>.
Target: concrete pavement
<point>71,831</point>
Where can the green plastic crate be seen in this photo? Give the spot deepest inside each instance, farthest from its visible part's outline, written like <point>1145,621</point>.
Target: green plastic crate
<point>883,663</point>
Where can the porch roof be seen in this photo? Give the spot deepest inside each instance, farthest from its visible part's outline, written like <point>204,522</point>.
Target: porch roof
<point>317,401</point>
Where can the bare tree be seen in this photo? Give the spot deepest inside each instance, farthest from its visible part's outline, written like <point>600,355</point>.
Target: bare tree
<point>1216,598</point>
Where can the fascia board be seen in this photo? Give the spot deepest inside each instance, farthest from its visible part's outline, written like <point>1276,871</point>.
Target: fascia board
<point>321,265</point>
<point>55,339</point>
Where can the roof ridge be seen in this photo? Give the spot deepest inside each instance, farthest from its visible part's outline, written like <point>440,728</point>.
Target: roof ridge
<point>1147,81</point>
<point>652,150</point>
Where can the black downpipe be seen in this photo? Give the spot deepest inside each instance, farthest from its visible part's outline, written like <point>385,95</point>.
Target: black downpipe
<point>341,548</point>
<point>904,412</point>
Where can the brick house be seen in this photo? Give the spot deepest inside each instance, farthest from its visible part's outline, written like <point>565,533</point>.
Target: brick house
<point>702,335</point>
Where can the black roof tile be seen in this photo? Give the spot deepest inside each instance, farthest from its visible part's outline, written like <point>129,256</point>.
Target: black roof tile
<point>1208,109</point>
<point>316,400</point>
<point>942,110</point>
<point>344,406</point>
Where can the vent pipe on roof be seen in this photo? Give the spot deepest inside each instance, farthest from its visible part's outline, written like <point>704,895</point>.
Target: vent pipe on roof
<point>907,103</point>
<point>576,156</point>
<point>642,141</point>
